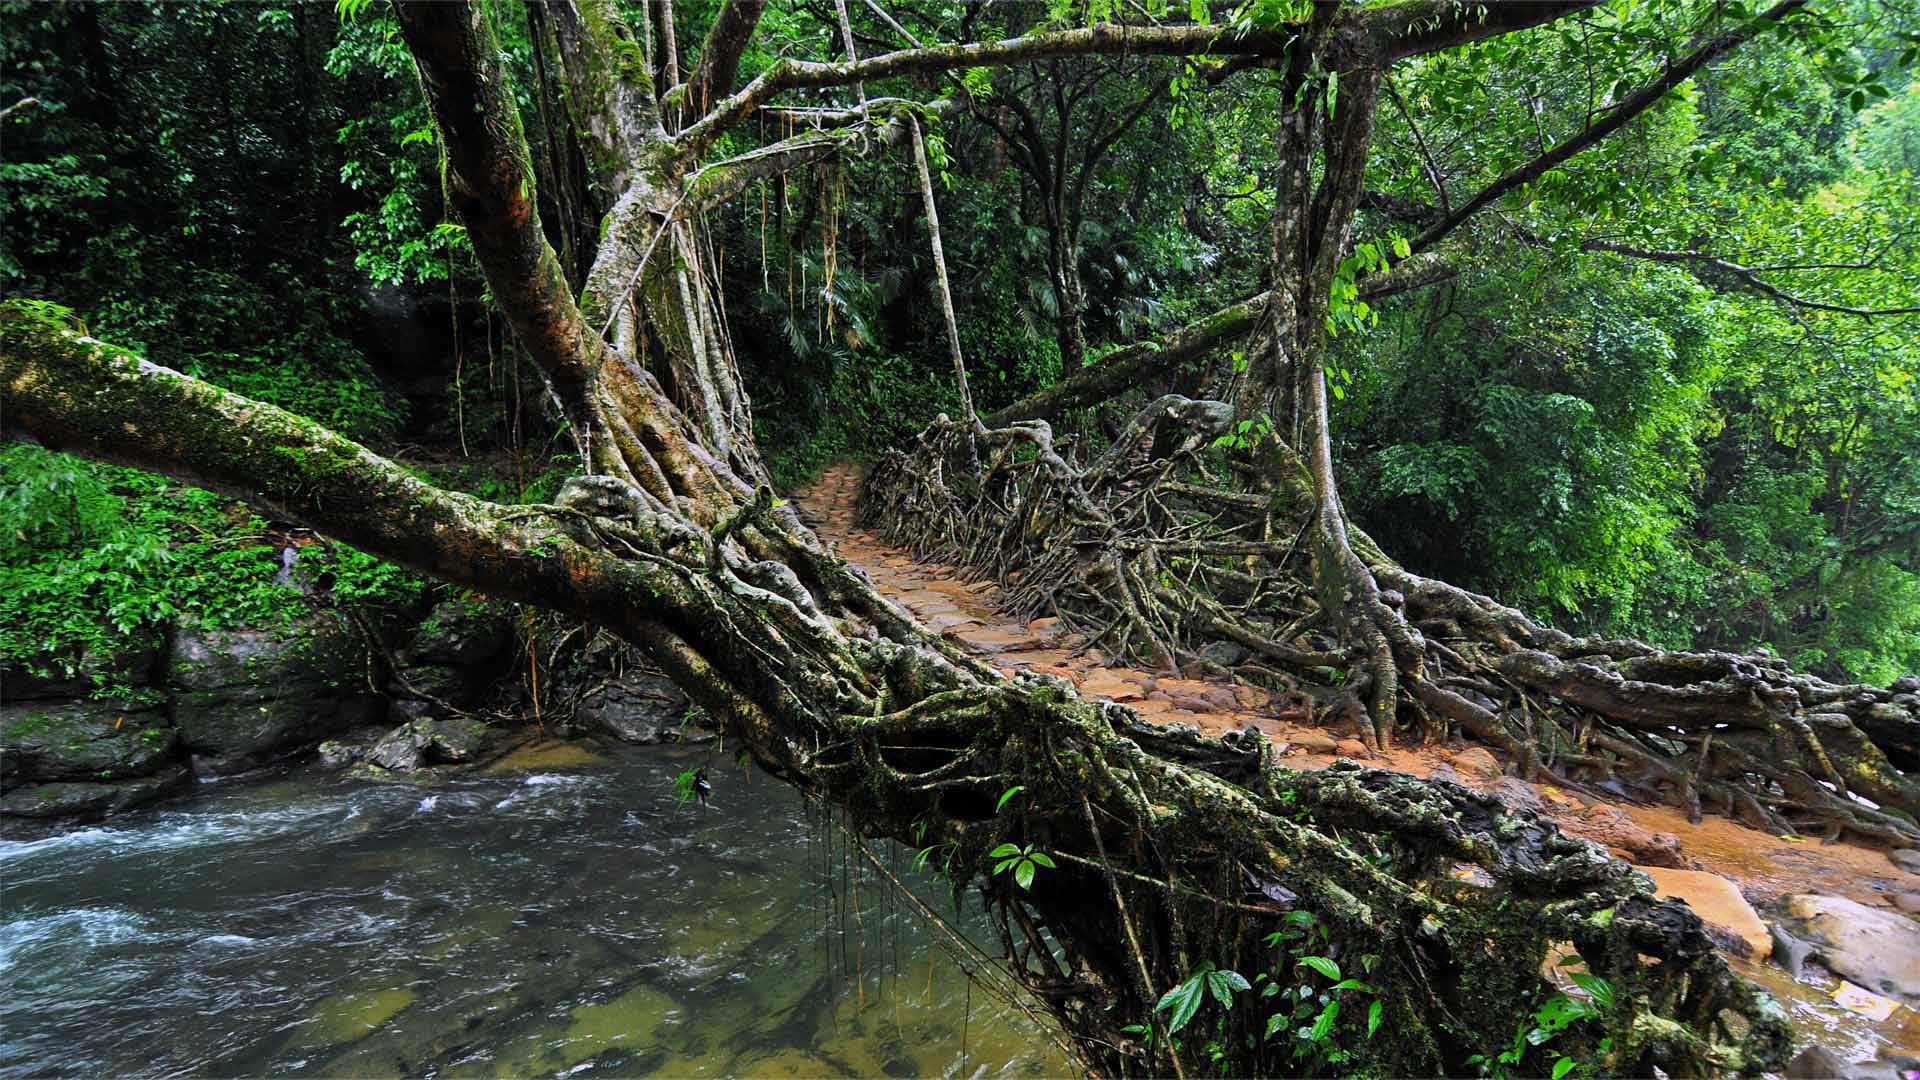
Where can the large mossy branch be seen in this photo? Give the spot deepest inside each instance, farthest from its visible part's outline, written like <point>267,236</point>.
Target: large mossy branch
<point>649,577</point>
<point>627,425</point>
<point>491,187</point>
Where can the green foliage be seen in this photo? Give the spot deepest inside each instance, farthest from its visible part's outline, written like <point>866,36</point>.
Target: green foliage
<point>1023,861</point>
<point>1309,993</point>
<point>94,558</point>
<point>335,386</point>
<point>1183,1002</point>
<point>1554,1016</point>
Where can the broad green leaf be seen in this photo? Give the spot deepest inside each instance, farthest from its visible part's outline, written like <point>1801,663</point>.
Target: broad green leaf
<point>1323,965</point>
<point>1601,989</point>
<point>1185,1005</point>
<point>1008,794</point>
<point>1323,1023</point>
<point>1004,850</point>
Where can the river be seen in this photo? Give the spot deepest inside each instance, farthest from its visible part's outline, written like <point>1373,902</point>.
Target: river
<point>563,915</point>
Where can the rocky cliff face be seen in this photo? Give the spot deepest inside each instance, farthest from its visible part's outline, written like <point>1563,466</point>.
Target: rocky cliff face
<point>187,702</point>
<point>190,702</point>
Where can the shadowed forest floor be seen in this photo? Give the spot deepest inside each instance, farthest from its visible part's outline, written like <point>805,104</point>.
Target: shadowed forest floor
<point>1765,867</point>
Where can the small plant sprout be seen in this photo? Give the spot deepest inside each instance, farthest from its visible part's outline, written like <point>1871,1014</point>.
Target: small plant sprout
<point>1023,861</point>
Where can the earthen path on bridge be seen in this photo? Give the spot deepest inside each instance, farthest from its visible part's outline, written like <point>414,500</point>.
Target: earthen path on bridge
<point>967,611</point>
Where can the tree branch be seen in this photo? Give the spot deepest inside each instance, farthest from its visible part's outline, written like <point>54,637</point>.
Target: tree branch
<point>1122,369</point>
<point>1746,275</point>
<point>727,40</point>
<point>1635,104</point>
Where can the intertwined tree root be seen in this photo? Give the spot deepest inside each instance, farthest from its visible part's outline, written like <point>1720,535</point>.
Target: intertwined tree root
<point>1167,850</point>
<point>1155,560</point>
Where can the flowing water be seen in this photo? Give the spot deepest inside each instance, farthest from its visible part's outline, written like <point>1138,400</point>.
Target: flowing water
<point>544,920</point>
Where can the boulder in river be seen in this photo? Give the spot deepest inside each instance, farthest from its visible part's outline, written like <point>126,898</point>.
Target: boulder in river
<point>67,799</point>
<point>244,698</point>
<point>430,742</point>
<point>1906,858</point>
<point>82,740</point>
<point>636,709</point>
<point>1876,948</point>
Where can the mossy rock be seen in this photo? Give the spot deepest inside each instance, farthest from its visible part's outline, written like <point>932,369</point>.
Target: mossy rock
<point>462,634</point>
<point>89,800</point>
<point>430,742</point>
<point>244,698</point>
<point>82,740</point>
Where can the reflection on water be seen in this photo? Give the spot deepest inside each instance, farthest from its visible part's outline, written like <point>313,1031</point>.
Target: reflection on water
<point>1819,1020</point>
<point>529,923</point>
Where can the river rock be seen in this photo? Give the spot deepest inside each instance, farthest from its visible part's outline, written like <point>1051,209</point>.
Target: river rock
<point>1314,742</point>
<point>1908,902</point>
<point>1878,949</point>
<point>1719,904</point>
<point>1906,858</point>
<point>640,709</point>
<point>82,740</point>
<point>429,742</point>
<point>243,698</point>
<point>66,799</point>
<point>1516,795</point>
<point>1226,653</point>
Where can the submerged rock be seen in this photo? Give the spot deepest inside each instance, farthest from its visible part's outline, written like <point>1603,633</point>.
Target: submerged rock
<point>1878,949</point>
